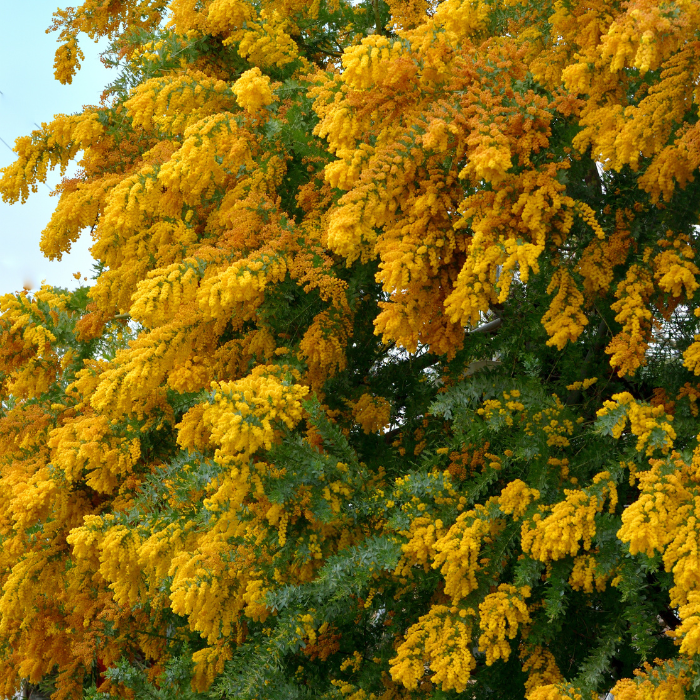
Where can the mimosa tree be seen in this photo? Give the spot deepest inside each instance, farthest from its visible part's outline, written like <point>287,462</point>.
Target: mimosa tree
<point>385,385</point>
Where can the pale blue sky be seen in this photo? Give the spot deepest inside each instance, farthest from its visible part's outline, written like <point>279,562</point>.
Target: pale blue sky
<point>30,94</point>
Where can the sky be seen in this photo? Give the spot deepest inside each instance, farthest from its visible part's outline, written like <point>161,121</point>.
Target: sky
<point>30,96</point>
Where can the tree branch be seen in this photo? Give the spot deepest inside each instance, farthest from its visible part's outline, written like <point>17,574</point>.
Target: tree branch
<point>488,327</point>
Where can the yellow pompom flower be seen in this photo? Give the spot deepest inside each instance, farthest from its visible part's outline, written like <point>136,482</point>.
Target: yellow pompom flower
<point>442,641</point>
<point>501,614</point>
<point>253,91</point>
<point>372,413</point>
<point>516,497</point>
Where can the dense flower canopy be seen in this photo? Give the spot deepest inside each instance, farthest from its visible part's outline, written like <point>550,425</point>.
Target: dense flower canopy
<point>385,384</point>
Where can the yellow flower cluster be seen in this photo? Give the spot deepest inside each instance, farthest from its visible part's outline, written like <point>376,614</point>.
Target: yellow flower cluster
<point>264,37</point>
<point>420,548</point>
<point>67,61</point>
<point>77,209</point>
<point>652,521</point>
<point>171,106</point>
<point>147,52</point>
<point>440,641</point>
<point>501,614</point>
<point>368,64</point>
<point>550,422</point>
<point>585,384</point>
<point>650,424</point>
<point>244,414</point>
<point>268,42</point>
<point>691,357</point>
<point>436,137</point>
<point>371,413</point>
<point>674,271</point>
<point>462,18</point>
<point>240,286</point>
<point>207,590</point>
<point>419,265</point>
<point>665,519</point>
<point>458,551</point>
<point>588,215</point>
<point>350,231</point>
<point>87,445</point>
<point>253,91</point>
<point>54,145</point>
<point>585,576</point>
<point>119,564</point>
<point>208,663</point>
<point>689,630</point>
<point>541,668</point>
<point>555,691</point>
<point>159,297</point>
<point>95,20</point>
<point>158,549</point>
<point>564,321</point>
<point>643,37</point>
<point>228,16</point>
<point>490,159</point>
<point>132,385</point>
<point>213,150</point>
<point>630,344</point>
<point>116,548</point>
<point>480,282</point>
<point>32,362</point>
<point>254,599</point>
<point>516,498</point>
<point>497,409</point>
<point>558,534</point>
<point>323,348</point>
<point>661,682</point>
<point>403,320</point>
<point>599,257</point>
